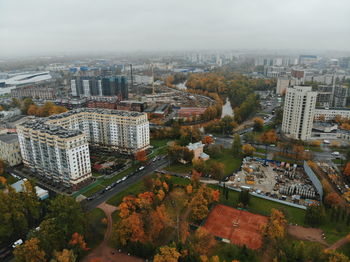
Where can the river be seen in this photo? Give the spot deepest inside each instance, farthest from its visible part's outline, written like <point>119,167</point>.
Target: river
<point>182,85</point>
<point>227,109</point>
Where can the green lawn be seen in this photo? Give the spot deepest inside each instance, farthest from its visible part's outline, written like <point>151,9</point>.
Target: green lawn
<point>159,142</point>
<point>334,230</point>
<point>263,207</point>
<point>95,229</point>
<point>231,163</point>
<point>102,183</point>
<point>132,190</point>
<point>261,150</point>
<point>313,148</point>
<point>179,168</point>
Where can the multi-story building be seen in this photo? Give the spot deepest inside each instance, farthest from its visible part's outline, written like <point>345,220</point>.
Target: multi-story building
<point>298,112</point>
<point>54,152</point>
<point>57,147</point>
<point>283,83</point>
<point>9,149</point>
<point>36,92</point>
<point>124,131</point>
<point>100,86</point>
<point>330,114</point>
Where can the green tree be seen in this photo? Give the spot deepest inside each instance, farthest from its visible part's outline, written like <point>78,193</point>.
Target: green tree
<point>236,146</point>
<point>315,215</point>
<point>67,215</point>
<point>244,197</point>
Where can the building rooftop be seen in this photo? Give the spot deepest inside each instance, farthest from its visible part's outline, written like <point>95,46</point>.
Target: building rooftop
<point>40,125</point>
<point>97,110</point>
<point>334,108</point>
<point>194,146</point>
<point>9,138</point>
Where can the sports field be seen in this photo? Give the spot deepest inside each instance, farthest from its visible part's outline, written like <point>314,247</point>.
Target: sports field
<point>238,226</point>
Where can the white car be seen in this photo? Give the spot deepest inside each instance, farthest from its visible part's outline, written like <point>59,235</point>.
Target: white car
<point>17,243</point>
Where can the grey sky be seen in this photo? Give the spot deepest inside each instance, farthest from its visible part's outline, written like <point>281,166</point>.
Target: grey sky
<point>48,26</point>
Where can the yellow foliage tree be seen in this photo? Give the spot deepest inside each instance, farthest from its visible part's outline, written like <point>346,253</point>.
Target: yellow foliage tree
<point>167,254</point>
<point>29,252</point>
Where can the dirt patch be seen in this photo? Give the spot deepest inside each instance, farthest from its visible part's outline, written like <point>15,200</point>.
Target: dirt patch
<point>307,233</point>
<point>238,226</point>
<point>104,253</point>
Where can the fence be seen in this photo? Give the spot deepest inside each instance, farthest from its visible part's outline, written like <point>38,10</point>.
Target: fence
<point>317,184</point>
<point>268,198</point>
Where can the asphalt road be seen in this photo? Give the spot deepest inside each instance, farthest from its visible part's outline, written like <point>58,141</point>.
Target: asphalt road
<point>100,198</point>
<point>320,156</point>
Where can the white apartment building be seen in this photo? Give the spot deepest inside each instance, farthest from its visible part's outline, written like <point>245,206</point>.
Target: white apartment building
<point>124,131</point>
<point>9,149</point>
<point>55,153</point>
<point>57,147</point>
<point>331,113</point>
<point>298,112</point>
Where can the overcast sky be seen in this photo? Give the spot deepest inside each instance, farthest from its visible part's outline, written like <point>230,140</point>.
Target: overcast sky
<point>49,26</point>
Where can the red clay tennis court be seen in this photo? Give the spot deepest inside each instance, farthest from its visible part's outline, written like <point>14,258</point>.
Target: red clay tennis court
<point>238,226</point>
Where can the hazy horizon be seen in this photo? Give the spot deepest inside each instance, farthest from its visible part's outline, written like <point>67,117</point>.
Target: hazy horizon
<point>35,27</point>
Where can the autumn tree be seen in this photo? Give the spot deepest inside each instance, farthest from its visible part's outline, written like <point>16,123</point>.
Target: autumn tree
<point>64,256</point>
<point>269,137</point>
<point>30,251</point>
<point>202,241</point>
<point>32,110</point>
<point>248,149</point>
<point>158,222</point>
<point>346,171</point>
<point>216,169</point>
<point>332,200</point>
<point>167,254</point>
<point>2,167</point>
<point>130,229</point>
<point>236,145</point>
<point>179,153</point>
<point>258,123</point>
<point>141,156</point>
<point>207,140</point>
<point>275,229</point>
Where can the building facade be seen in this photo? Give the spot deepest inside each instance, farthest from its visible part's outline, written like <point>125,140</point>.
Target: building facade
<point>330,114</point>
<point>124,131</point>
<point>55,153</point>
<point>35,92</point>
<point>85,86</point>
<point>298,112</point>
<point>9,149</point>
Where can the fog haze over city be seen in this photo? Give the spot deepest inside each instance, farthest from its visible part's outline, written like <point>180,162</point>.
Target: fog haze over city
<point>46,27</point>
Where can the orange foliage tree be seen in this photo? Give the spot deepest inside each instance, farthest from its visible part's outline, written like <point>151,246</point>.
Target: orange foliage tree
<point>332,199</point>
<point>202,241</point>
<point>207,140</point>
<point>346,171</point>
<point>141,156</point>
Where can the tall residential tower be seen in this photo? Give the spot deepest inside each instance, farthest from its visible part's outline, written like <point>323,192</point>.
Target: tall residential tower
<point>298,112</point>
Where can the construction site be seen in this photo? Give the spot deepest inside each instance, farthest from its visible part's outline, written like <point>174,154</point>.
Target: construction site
<point>279,180</point>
